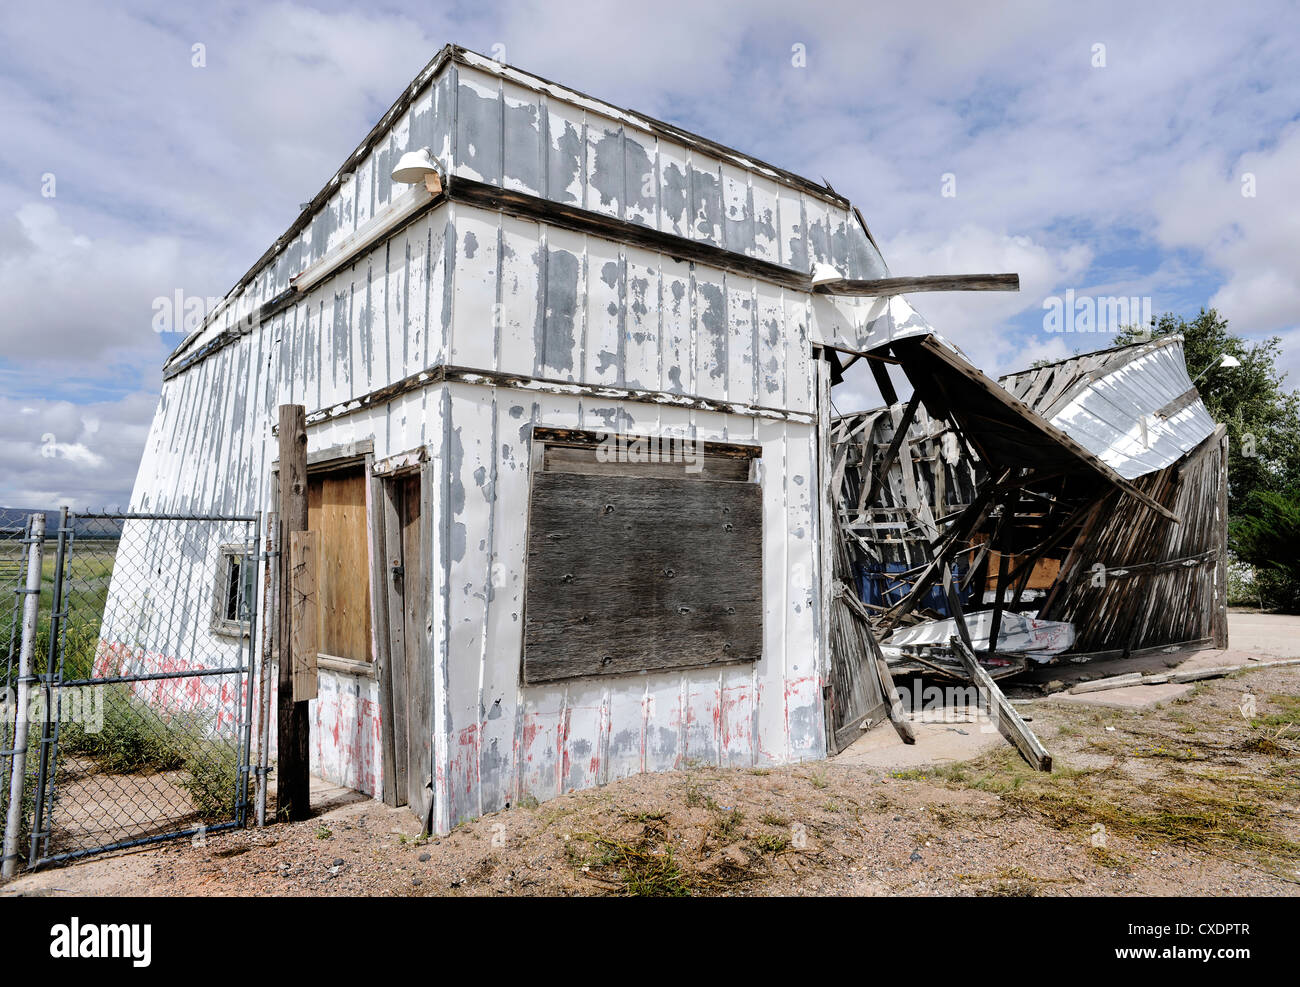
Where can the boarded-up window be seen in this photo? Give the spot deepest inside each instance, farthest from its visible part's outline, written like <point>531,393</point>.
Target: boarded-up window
<point>336,507</point>
<point>642,557</point>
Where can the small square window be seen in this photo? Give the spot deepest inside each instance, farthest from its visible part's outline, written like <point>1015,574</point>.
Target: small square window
<point>236,590</point>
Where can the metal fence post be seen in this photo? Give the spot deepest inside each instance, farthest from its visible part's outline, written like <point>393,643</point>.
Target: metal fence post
<point>26,658</point>
<point>50,711</point>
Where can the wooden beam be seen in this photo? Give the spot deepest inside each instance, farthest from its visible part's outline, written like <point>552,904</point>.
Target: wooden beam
<point>886,385</point>
<point>930,282</point>
<point>1188,397</point>
<point>999,599</point>
<point>292,791</point>
<point>579,220</point>
<point>955,610</point>
<point>1008,721</point>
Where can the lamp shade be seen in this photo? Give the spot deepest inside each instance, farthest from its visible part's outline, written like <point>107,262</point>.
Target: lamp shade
<point>413,166</point>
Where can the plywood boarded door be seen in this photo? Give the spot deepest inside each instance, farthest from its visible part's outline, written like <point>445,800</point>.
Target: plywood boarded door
<point>417,663</point>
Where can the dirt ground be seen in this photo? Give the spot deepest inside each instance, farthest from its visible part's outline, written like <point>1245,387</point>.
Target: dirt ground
<point>1198,796</point>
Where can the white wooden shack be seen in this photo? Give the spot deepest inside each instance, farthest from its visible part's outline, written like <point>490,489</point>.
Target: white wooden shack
<point>509,612</point>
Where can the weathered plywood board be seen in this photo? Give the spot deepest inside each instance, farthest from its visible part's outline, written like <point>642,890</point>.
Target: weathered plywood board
<point>304,601</point>
<point>336,509</point>
<point>629,574</point>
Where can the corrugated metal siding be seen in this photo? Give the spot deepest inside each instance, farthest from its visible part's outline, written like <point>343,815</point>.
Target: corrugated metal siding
<point>1115,419</point>
<point>539,301</point>
<point>866,322</point>
<point>558,149</point>
<point>545,141</point>
<point>1107,402</point>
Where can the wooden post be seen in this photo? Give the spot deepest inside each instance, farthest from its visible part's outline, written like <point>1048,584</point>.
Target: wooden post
<point>292,786</point>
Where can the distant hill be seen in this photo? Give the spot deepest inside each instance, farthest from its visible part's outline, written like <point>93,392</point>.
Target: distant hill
<point>13,519</point>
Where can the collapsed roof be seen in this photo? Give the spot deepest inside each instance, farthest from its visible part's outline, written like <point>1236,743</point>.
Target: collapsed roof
<point>1053,447</point>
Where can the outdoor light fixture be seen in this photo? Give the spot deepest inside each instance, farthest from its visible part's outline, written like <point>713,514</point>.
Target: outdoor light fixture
<point>1226,360</point>
<point>415,168</point>
<point>418,166</point>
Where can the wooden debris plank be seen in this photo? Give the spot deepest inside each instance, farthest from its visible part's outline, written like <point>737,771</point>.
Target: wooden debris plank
<point>1009,722</point>
<point>897,714</point>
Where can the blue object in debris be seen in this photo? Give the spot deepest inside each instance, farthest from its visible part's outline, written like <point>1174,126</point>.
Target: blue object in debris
<point>884,585</point>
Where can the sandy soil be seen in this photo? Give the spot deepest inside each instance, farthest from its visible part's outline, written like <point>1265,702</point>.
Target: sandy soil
<point>1194,797</point>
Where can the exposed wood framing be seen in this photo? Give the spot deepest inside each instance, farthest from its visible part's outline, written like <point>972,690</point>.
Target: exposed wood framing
<point>1133,580</point>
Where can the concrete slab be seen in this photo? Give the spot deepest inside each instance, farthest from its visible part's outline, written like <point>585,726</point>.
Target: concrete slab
<point>1275,634</point>
<point>1129,697</point>
<point>936,743</point>
<point>1230,656</point>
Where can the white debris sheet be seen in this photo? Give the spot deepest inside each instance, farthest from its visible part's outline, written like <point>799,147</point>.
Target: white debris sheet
<point>1037,639</point>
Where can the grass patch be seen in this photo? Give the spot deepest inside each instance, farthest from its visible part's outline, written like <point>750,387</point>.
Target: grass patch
<point>1182,815</point>
<point>1288,716</point>
<point>772,843</point>
<point>134,736</point>
<point>212,779</point>
<point>726,825</point>
<point>697,795</point>
<point>137,738</point>
<point>641,869</point>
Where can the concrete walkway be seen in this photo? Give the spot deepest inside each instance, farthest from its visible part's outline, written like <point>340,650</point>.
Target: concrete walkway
<point>960,738</point>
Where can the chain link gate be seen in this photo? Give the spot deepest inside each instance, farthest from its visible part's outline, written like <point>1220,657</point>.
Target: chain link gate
<point>145,692</point>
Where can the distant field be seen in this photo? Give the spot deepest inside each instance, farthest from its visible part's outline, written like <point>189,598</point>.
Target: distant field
<point>89,571</point>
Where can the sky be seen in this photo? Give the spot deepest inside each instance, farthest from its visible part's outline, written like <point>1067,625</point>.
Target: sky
<point>1137,150</point>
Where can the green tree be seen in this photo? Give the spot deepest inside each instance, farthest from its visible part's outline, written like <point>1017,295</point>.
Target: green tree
<point>1265,532</point>
<point>1262,414</point>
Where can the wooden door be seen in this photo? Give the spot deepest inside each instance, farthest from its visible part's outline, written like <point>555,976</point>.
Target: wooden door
<point>417,665</point>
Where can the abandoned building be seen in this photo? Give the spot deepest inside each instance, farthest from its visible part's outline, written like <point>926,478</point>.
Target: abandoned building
<point>504,275</point>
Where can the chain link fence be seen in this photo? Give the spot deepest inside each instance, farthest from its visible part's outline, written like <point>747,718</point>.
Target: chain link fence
<point>140,719</point>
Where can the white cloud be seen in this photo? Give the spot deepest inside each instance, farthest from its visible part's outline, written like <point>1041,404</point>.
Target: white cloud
<point>977,321</point>
<point>1252,238</point>
<point>69,298</point>
<point>82,455</point>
